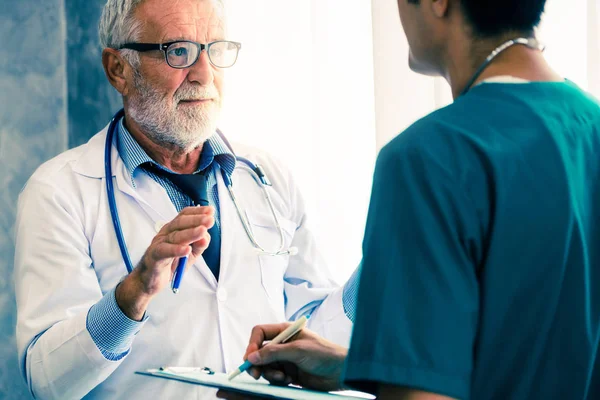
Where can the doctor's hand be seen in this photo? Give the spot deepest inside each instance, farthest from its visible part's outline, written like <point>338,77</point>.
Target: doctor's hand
<point>186,235</point>
<point>307,359</point>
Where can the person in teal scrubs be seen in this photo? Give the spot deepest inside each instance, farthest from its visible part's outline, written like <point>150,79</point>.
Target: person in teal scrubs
<point>481,258</point>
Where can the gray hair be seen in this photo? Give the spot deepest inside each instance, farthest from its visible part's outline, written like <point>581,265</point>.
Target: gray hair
<point>118,26</point>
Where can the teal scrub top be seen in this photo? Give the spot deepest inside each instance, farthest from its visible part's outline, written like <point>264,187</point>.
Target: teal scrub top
<point>481,257</point>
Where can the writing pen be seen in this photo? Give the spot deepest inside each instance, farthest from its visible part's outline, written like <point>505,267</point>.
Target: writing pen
<point>283,337</point>
<point>178,274</point>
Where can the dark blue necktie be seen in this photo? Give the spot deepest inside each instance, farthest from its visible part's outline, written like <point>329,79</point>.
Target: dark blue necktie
<point>195,187</point>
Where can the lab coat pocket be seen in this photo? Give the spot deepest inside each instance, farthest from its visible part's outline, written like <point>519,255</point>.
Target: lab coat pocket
<point>272,268</point>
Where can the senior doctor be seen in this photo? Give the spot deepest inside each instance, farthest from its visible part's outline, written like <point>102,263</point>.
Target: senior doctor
<point>85,324</point>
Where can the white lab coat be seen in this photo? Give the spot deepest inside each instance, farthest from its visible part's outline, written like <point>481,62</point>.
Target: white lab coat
<point>67,258</point>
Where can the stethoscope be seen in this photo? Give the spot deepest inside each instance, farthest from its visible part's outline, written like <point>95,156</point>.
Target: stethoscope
<point>255,171</point>
<point>532,43</point>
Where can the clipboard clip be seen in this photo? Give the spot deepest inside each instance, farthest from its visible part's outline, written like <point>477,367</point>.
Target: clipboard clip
<point>183,370</point>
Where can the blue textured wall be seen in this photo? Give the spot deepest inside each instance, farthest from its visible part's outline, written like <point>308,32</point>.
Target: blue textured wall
<point>92,101</point>
<point>53,95</point>
<point>33,128</point>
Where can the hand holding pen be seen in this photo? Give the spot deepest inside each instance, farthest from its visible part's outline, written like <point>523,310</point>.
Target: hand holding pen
<point>185,236</point>
<point>306,359</point>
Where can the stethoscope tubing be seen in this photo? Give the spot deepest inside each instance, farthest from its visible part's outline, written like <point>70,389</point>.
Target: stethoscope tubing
<point>255,171</point>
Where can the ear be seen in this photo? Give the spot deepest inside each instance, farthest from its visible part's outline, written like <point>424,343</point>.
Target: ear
<point>440,8</point>
<point>116,69</point>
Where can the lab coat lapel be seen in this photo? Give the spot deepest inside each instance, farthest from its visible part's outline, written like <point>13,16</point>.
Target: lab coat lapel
<point>229,224</point>
<point>92,165</point>
<point>150,196</point>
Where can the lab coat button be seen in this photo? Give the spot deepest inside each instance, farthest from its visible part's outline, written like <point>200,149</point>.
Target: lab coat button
<point>158,226</point>
<point>222,294</point>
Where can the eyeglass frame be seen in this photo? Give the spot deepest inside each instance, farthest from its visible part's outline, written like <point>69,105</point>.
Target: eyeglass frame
<point>144,47</point>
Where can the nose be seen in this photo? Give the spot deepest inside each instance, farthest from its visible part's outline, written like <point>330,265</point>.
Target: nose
<point>202,71</point>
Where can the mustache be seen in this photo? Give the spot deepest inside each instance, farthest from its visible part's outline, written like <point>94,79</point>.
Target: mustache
<point>196,92</point>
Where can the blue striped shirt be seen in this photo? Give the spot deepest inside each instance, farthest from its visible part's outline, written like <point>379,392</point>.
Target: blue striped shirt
<point>111,330</point>
<point>214,149</point>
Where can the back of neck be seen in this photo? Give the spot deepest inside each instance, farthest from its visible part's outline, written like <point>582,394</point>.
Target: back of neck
<point>517,61</point>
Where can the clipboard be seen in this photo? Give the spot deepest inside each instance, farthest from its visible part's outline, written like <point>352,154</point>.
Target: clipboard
<point>245,384</point>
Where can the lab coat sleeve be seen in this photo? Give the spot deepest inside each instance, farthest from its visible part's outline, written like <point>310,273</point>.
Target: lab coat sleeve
<point>55,287</point>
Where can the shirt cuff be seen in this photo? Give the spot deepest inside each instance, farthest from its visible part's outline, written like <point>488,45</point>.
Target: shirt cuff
<point>111,330</point>
<point>350,294</point>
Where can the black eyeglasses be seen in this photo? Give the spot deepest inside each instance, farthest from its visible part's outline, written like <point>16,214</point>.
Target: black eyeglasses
<point>184,53</point>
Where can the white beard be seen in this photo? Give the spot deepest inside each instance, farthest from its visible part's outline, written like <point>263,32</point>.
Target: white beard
<point>164,122</point>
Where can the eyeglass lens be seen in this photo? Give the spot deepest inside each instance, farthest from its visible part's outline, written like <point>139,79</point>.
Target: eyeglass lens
<point>222,54</point>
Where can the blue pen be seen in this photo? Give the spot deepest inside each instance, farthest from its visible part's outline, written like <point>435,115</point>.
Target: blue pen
<point>178,274</point>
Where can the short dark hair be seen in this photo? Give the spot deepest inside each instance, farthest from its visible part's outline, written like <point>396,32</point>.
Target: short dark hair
<point>495,17</point>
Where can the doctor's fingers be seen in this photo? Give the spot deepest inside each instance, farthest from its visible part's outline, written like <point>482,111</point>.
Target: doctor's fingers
<point>199,246</point>
<point>187,236</point>
<point>198,210</point>
<point>186,221</point>
<point>163,250</point>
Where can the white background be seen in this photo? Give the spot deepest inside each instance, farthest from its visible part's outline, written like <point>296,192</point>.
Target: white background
<point>303,90</point>
<point>324,84</point>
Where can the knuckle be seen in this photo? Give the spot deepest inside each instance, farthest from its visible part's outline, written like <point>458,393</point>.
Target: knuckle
<point>256,331</point>
<point>171,226</point>
<point>163,230</point>
<point>172,237</point>
<point>153,253</point>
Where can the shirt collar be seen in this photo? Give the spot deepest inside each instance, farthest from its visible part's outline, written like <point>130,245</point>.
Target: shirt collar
<point>215,148</point>
<point>133,155</point>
